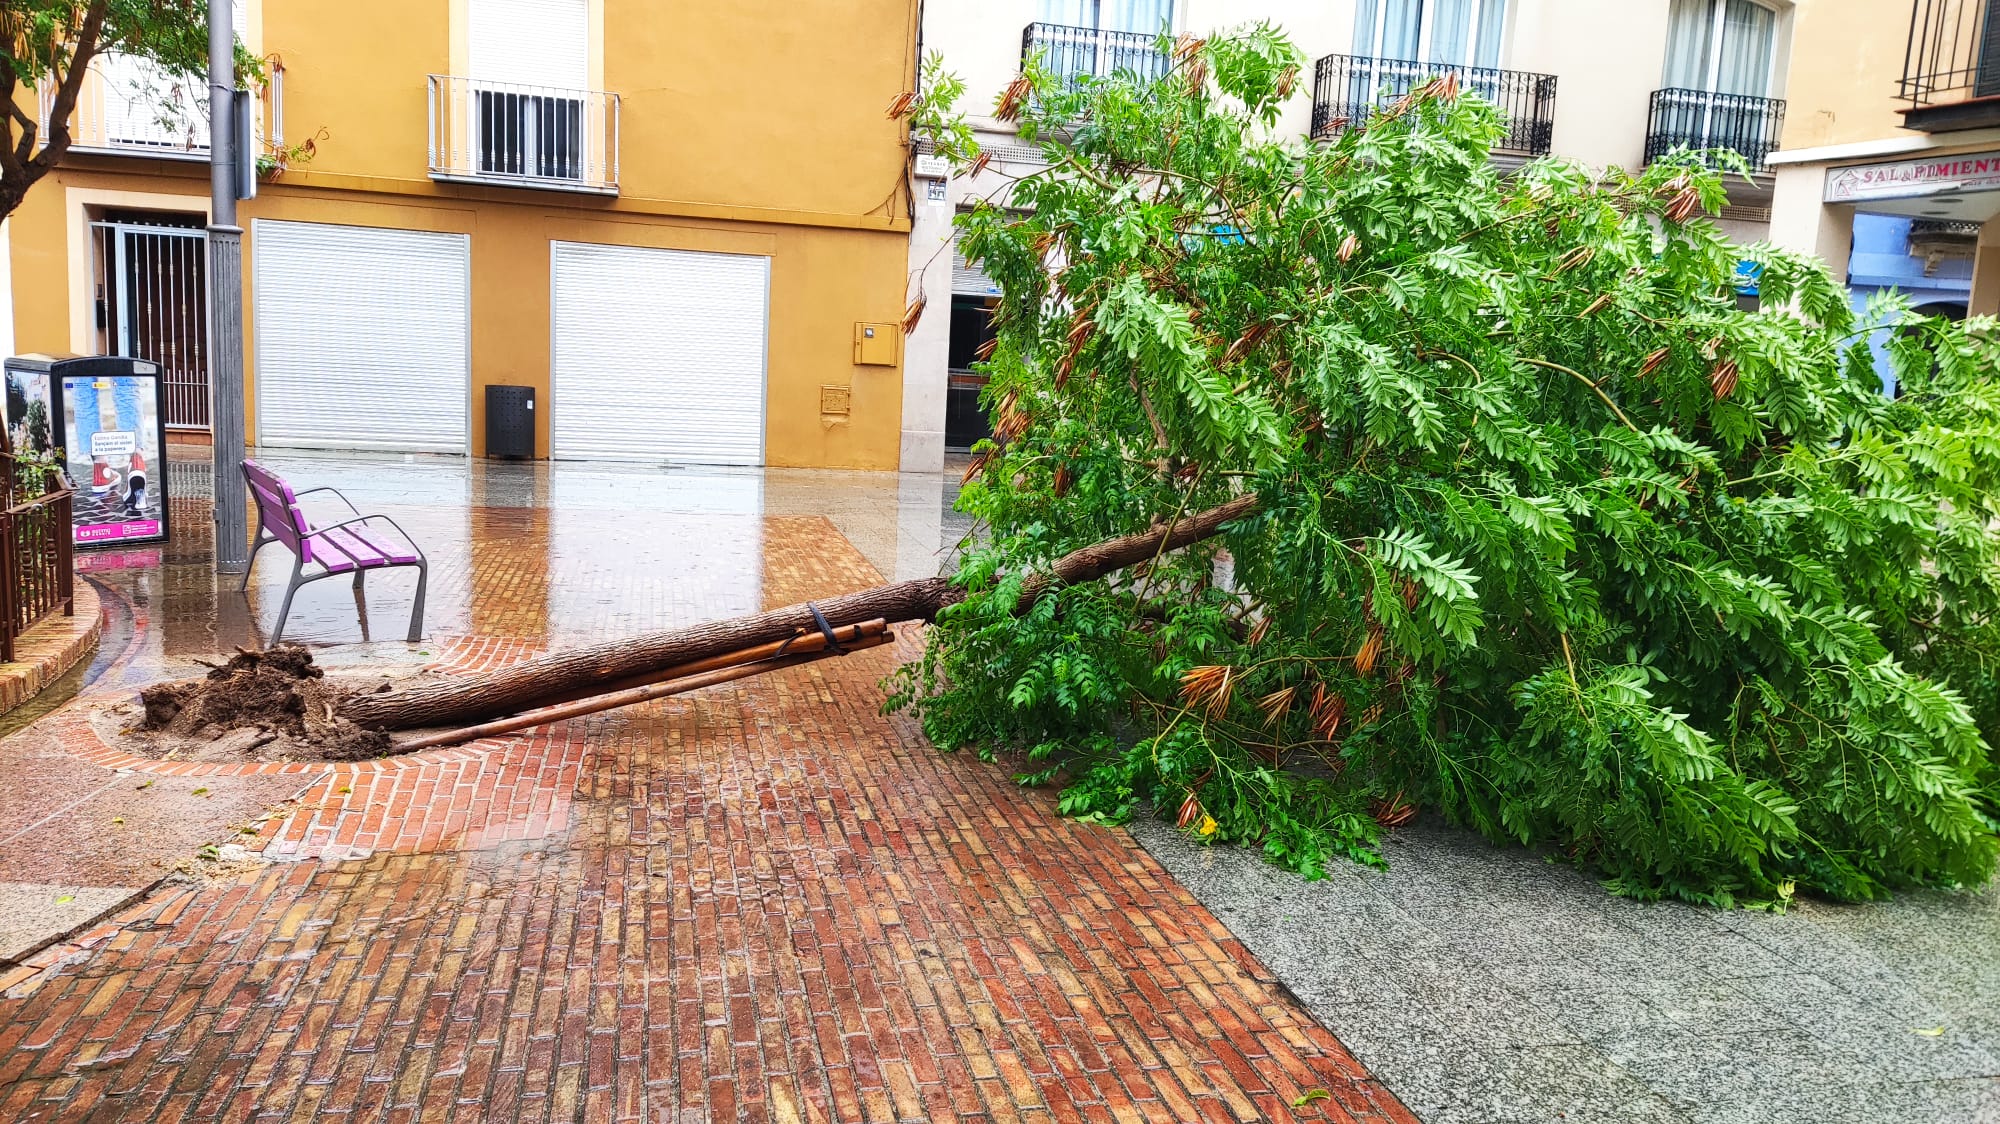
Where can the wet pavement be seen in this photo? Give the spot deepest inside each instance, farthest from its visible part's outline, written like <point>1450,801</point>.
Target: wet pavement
<point>764,901</point>
<point>1487,986</point>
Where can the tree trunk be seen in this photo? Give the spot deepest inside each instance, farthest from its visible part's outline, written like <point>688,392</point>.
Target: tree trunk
<point>564,675</point>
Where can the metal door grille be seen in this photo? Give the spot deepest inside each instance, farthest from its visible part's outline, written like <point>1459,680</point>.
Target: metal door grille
<point>152,303</point>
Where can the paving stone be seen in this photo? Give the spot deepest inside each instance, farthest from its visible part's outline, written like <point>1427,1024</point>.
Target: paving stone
<point>1607,1010</point>
<point>1714,1015</point>
<point>32,913</point>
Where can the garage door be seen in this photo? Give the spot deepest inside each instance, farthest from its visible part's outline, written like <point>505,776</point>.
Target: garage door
<point>361,337</point>
<point>658,354</point>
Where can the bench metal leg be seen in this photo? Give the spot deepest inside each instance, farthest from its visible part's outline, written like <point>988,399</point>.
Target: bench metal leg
<point>285,610</point>
<point>263,540</point>
<point>417,611</point>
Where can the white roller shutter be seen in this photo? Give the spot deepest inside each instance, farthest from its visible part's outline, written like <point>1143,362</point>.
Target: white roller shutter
<point>658,354</point>
<point>530,42</point>
<point>361,337</point>
<point>967,279</point>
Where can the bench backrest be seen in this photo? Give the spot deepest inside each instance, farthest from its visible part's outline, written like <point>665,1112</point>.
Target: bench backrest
<point>278,509</point>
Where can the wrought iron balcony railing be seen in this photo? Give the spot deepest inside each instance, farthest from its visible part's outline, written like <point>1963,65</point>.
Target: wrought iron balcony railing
<point>1085,52</point>
<point>127,106</point>
<point>1704,121</point>
<point>1951,65</point>
<point>529,136</point>
<point>1347,88</point>
<point>1948,57</point>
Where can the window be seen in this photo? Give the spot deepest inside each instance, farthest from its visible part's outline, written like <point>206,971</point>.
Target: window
<point>530,134</point>
<point>1715,93</point>
<point>1139,17</point>
<point>530,63</point>
<point>1721,47</point>
<point>1097,38</point>
<point>134,104</point>
<point>1451,32</point>
<point>1403,42</point>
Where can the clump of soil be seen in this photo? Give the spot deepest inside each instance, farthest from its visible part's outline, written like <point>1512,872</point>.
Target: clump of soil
<point>259,698</point>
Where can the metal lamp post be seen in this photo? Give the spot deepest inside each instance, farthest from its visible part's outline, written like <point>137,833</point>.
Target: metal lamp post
<point>228,154</point>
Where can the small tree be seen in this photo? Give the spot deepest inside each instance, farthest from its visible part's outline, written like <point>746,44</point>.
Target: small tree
<point>49,44</point>
<point>1548,535</point>
<point>38,426</point>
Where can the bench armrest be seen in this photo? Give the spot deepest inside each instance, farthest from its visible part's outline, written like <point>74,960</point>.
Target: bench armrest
<point>318,531</point>
<point>344,501</point>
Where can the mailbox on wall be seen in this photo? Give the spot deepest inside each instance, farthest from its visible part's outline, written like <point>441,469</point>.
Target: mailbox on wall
<point>875,345</point>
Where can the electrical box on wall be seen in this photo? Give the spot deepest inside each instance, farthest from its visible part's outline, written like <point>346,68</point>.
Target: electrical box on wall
<point>835,401</point>
<point>875,344</point>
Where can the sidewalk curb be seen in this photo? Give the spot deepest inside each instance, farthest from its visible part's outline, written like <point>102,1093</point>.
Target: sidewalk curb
<point>60,946</point>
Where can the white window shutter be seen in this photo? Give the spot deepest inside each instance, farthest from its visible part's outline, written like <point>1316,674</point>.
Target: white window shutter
<point>530,42</point>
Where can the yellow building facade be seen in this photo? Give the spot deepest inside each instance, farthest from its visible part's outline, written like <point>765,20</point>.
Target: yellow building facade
<point>684,229</point>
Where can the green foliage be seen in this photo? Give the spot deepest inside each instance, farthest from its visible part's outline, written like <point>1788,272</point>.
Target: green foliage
<point>1551,536</point>
<point>39,39</point>
<point>48,45</point>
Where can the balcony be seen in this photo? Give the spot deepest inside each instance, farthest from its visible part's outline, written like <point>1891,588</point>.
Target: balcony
<point>1704,121</point>
<point>1076,53</point>
<point>127,106</point>
<point>1347,88</point>
<point>523,136</point>
<point>1951,66</point>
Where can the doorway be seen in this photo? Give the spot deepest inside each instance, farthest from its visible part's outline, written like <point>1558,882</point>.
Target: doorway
<point>965,420</point>
<point>151,293</point>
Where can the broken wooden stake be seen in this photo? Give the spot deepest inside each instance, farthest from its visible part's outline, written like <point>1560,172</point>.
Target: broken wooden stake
<point>678,684</point>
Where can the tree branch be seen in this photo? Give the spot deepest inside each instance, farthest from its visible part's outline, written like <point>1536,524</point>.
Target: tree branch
<point>82,51</point>
<point>1594,388</point>
<point>11,166</point>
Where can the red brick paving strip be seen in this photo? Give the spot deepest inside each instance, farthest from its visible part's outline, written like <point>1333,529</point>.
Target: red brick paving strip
<point>763,902</point>
<point>774,905</point>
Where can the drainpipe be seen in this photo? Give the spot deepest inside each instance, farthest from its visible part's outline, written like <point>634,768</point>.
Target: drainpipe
<point>225,297</point>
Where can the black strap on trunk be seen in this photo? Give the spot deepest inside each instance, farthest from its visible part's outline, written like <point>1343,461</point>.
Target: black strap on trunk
<point>825,629</point>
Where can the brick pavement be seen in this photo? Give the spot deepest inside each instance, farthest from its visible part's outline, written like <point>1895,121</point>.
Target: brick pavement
<point>46,651</point>
<point>760,902</point>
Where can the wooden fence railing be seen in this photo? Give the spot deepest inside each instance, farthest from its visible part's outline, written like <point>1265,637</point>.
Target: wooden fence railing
<point>37,567</point>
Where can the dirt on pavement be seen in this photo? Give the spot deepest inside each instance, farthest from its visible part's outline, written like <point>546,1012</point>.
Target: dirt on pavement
<point>275,705</point>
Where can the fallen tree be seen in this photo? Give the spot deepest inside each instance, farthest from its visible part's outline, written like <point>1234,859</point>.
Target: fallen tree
<point>609,666</point>
<point>1503,507</point>
<point>1553,535</point>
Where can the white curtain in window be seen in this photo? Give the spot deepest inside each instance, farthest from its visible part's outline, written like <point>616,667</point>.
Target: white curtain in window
<point>1069,13</point>
<point>1403,29</point>
<point>1492,26</point>
<point>1451,26</point>
<point>1748,31</point>
<point>1146,17</point>
<point>1690,39</point>
<point>1461,36</point>
<point>1364,28</point>
<point>1387,29</point>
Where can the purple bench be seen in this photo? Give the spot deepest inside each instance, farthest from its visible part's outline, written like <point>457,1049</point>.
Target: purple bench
<point>349,546</point>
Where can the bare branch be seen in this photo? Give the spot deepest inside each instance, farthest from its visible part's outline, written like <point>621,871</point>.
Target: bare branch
<point>11,168</point>
<point>69,87</point>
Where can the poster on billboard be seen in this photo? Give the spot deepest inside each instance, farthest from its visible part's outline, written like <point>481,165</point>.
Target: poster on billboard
<point>30,419</point>
<point>114,445</point>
